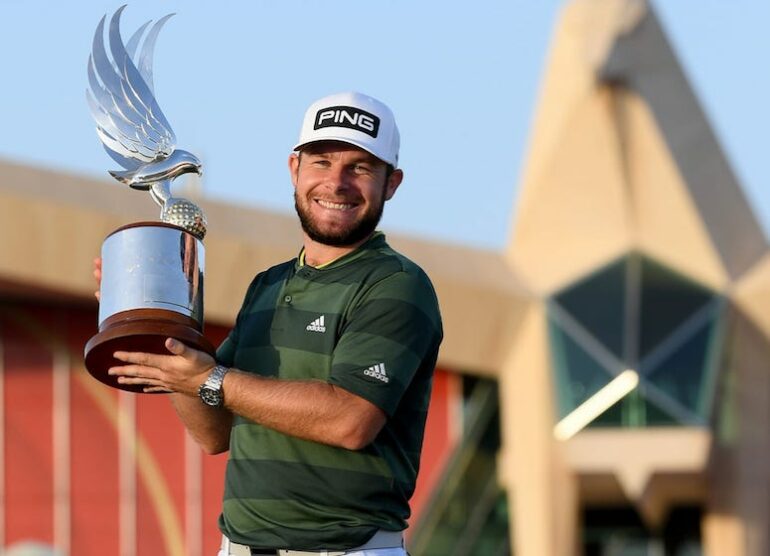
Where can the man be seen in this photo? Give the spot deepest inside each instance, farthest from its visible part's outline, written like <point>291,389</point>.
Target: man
<point>321,390</point>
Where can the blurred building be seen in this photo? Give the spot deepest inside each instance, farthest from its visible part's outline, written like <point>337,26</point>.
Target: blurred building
<point>604,384</point>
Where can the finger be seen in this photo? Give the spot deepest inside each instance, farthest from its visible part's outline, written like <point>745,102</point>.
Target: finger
<point>197,357</point>
<point>98,276</point>
<point>157,390</point>
<point>135,371</point>
<point>137,376</point>
<point>176,347</point>
<point>141,358</point>
<point>139,381</point>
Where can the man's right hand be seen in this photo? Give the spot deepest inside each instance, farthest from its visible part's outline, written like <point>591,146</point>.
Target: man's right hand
<point>98,276</point>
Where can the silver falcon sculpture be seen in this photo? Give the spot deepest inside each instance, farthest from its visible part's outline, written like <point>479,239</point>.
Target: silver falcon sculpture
<point>131,125</point>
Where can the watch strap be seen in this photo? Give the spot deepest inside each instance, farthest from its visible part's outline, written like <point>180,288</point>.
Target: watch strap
<point>216,377</point>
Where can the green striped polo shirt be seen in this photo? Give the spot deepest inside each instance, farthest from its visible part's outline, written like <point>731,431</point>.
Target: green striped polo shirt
<point>369,323</point>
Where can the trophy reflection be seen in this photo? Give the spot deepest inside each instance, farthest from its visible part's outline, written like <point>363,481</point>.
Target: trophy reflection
<point>152,272</point>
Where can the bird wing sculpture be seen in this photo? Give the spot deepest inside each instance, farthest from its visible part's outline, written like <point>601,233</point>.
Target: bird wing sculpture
<point>130,123</point>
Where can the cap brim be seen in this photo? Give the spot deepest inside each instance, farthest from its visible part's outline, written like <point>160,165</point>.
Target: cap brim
<point>346,140</point>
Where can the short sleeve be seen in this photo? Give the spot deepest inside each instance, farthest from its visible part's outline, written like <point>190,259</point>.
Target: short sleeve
<point>392,333</point>
<point>226,350</point>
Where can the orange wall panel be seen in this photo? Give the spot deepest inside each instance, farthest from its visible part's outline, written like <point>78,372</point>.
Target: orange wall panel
<point>28,438</point>
<point>94,474</point>
<point>213,488</point>
<point>441,433</point>
<point>161,496</point>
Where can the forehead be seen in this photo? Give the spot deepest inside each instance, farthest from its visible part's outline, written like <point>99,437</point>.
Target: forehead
<point>331,148</point>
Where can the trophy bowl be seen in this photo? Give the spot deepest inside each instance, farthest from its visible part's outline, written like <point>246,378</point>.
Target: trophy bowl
<point>151,289</point>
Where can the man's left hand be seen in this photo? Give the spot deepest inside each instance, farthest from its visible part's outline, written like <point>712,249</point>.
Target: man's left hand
<point>182,371</point>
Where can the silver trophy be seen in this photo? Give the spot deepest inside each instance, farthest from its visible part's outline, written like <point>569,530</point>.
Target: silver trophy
<point>152,272</point>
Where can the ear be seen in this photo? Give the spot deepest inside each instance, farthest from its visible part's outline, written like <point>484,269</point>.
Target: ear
<point>294,168</point>
<point>394,180</point>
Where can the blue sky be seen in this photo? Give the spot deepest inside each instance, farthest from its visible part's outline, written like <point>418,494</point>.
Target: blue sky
<point>234,79</point>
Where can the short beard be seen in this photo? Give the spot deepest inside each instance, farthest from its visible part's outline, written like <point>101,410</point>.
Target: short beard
<point>342,238</point>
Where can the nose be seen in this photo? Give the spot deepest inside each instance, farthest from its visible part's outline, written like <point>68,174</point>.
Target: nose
<point>338,177</point>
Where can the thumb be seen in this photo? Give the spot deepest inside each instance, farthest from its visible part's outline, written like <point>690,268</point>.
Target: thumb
<point>175,346</point>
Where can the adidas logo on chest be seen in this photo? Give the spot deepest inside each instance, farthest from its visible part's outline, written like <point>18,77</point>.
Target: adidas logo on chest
<point>317,325</point>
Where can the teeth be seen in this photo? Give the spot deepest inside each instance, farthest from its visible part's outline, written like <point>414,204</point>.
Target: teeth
<point>335,206</point>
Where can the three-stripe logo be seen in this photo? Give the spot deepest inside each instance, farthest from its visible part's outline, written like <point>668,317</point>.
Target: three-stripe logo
<point>377,371</point>
<point>317,325</point>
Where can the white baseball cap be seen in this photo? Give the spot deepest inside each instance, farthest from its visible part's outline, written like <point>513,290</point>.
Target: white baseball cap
<point>355,119</point>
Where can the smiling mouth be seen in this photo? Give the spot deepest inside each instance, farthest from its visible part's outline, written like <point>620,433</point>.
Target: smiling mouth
<point>335,206</point>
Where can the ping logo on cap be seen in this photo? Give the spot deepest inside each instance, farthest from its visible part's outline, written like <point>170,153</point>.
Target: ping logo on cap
<point>349,117</point>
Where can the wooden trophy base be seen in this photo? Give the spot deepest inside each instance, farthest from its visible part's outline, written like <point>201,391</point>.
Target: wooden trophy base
<point>144,330</point>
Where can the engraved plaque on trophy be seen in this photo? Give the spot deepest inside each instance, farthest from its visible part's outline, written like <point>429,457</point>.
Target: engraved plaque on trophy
<point>152,272</point>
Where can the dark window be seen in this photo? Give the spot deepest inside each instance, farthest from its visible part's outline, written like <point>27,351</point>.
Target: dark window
<point>636,313</point>
<point>667,301</point>
<point>598,302</point>
<point>579,376</point>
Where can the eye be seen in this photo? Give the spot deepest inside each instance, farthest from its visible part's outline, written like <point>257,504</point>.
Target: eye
<point>362,168</point>
<point>320,163</point>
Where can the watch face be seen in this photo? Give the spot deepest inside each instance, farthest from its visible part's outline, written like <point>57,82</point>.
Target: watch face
<point>210,396</point>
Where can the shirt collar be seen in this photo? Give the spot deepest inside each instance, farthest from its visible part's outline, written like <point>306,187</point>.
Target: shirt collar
<point>376,240</point>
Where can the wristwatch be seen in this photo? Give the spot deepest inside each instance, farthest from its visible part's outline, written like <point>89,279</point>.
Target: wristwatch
<point>210,392</point>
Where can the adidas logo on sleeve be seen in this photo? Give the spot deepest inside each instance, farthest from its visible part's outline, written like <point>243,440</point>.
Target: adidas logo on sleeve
<point>317,325</point>
<point>377,371</point>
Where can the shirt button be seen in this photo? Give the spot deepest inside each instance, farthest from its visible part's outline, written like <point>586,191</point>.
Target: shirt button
<point>287,299</point>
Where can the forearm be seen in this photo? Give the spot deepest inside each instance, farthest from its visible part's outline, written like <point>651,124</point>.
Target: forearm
<point>209,426</point>
<point>311,410</point>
